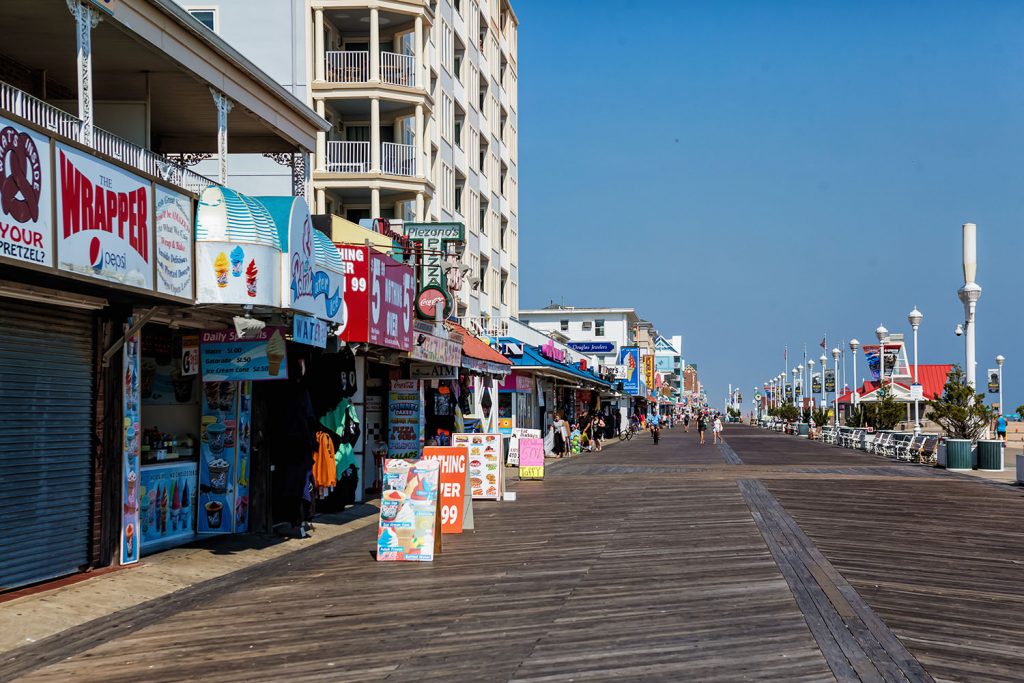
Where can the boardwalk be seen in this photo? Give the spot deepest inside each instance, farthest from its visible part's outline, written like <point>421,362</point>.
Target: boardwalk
<point>771,558</point>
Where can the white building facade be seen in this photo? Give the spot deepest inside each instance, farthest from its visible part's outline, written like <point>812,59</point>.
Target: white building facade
<point>422,97</point>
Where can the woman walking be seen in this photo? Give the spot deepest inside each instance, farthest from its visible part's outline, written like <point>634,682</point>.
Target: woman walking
<point>560,435</point>
<point>702,426</point>
<point>717,429</point>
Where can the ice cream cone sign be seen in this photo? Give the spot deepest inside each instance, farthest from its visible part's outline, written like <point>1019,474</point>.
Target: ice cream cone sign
<point>275,353</point>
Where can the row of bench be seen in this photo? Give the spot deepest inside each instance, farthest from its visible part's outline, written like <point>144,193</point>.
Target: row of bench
<point>899,445</point>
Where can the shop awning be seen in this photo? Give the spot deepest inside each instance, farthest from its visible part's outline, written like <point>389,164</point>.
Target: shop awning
<point>531,359</point>
<point>478,356</point>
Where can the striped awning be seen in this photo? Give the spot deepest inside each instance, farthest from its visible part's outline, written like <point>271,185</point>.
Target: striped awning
<point>228,216</point>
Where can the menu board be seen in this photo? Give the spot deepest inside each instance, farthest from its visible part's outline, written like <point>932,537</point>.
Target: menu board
<point>404,415</point>
<point>410,526</point>
<point>454,490</point>
<point>223,501</point>
<point>531,458</point>
<point>485,469</point>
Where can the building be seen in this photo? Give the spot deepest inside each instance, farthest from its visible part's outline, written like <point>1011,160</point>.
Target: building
<point>668,363</point>
<point>421,96</point>
<point>101,105</point>
<point>599,333</point>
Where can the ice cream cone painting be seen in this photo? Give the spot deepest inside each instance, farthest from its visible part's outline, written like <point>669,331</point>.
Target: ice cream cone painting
<point>237,259</point>
<point>275,353</point>
<point>251,273</point>
<point>220,269</point>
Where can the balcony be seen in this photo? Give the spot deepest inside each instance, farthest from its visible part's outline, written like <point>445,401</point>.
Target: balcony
<point>353,66</point>
<point>354,157</point>
<point>59,122</point>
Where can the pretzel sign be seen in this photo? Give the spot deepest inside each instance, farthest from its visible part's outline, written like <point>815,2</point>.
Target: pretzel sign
<point>20,176</point>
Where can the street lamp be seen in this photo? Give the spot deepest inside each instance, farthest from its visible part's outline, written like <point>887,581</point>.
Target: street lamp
<point>854,345</point>
<point>969,295</point>
<point>881,333</point>
<point>800,374</point>
<point>914,318</point>
<point>824,392</point>
<point>810,376</point>
<point>999,362</point>
<point>835,357</point>
<point>793,393</point>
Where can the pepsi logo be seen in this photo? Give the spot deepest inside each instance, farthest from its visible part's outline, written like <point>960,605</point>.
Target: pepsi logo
<point>95,254</point>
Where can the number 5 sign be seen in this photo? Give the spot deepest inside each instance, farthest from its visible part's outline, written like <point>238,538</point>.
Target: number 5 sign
<point>454,496</point>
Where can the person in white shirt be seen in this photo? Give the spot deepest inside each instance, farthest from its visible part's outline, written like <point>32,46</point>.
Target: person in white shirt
<point>716,429</point>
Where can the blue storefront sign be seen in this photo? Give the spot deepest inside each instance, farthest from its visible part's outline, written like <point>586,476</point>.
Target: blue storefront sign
<point>309,331</point>
<point>630,358</point>
<point>592,347</point>
<point>226,358</point>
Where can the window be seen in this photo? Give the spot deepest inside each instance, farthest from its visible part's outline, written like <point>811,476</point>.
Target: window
<point>484,267</point>
<point>206,17</point>
<point>598,328</point>
<point>587,324</point>
<point>564,325</point>
<point>459,189</point>
<point>504,287</point>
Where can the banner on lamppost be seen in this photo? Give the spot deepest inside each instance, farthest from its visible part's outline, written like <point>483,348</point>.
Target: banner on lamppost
<point>993,381</point>
<point>816,383</point>
<point>830,381</point>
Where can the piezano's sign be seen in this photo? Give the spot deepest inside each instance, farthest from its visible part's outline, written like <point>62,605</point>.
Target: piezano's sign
<point>104,229</point>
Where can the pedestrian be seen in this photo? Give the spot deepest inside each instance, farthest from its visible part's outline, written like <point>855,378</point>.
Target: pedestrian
<point>686,423</point>
<point>560,435</point>
<point>717,429</point>
<point>1001,427</point>
<point>598,432</point>
<point>702,426</point>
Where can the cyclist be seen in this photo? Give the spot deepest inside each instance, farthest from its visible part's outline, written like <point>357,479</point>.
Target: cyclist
<point>654,422</point>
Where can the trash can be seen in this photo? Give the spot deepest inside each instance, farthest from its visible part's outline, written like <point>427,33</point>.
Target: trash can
<point>958,454</point>
<point>990,455</point>
<point>803,428</point>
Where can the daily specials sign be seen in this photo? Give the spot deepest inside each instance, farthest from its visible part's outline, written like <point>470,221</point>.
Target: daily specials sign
<point>409,527</point>
<point>225,357</point>
<point>454,493</point>
<point>433,240</point>
<point>104,229</point>
<point>531,458</point>
<point>26,207</point>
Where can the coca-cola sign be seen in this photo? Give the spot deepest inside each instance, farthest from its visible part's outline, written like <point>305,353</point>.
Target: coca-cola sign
<point>428,300</point>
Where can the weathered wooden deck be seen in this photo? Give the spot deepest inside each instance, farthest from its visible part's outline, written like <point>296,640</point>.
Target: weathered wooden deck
<point>771,559</point>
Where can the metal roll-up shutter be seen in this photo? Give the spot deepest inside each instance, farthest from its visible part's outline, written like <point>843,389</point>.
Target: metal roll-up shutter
<point>46,437</point>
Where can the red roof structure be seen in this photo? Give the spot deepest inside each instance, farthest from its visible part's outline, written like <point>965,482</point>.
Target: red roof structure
<point>933,383</point>
<point>475,348</point>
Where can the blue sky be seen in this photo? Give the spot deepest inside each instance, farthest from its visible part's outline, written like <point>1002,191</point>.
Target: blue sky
<point>756,174</point>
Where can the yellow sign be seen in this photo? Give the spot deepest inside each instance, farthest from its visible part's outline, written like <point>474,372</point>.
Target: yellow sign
<point>531,472</point>
<point>648,365</point>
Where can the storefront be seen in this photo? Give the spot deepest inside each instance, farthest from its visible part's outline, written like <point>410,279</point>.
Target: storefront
<point>432,380</point>
<point>481,373</point>
<point>517,401</point>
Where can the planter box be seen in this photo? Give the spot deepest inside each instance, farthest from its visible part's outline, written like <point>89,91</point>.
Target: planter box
<point>940,454</point>
<point>990,455</point>
<point>1020,469</point>
<point>803,428</point>
<point>959,454</point>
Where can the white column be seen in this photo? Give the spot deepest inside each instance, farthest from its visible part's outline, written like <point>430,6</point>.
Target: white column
<point>418,135</point>
<point>318,44</point>
<point>321,200</point>
<point>374,45</point>
<point>417,47</point>
<point>375,203</point>
<point>375,137</point>
<point>86,19</point>
<point>321,139</point>
<point>224,106</point>
<point>419,207</point>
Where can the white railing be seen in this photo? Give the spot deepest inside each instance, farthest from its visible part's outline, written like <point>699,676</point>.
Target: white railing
<point>348,157</point>
<point>51,118</point>
<point>397,69</point>
<point>61,123</point>
<point>347,66</point>
<point>397,159</point>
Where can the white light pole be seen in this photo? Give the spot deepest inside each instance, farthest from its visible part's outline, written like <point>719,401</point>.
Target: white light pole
<point>824,392</point>
<point>881,333</point>
<point>999,363</point>
<point>835,357</point>
<point>854,345</point>
<point>914,318</point>
<point>800,374</point>
<point>810,376</point>
<point>969,295</point>
<point>793,393</point>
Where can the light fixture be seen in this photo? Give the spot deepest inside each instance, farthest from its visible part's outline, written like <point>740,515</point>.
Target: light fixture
<point>881,332</point>
<point>959,330</point>
<point>854,345</point>
<point>915,317</point>
<point>835,353</point>
<point>1000,360</point>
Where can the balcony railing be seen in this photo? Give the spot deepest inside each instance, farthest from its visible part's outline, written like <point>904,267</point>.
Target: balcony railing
<point>60,122</point>
<point>353,66</point>
<point>397,159</point>
<point>348,66</point>
<point>354,157</point>
<point>348,157</point>
<point>397,69</point>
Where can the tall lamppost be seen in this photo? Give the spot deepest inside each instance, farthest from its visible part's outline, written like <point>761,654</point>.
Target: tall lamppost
<point>969,295</point>
<point>854,345</point>
<point>999,363</point>
<point>881,333</point>
<point>793,393</point>
<point>914,318</point>
<point>835,357</point>
<point>799,395</point>
<point>810,376</point>
<point>824,392</point>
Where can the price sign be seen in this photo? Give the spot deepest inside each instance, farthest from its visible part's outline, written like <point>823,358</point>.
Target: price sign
<point>452,485</point>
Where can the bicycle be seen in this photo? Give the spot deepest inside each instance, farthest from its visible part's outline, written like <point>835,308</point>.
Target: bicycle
<point>627,433</point>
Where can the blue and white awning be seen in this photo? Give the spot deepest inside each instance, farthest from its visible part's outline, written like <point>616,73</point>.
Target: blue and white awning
<point>228,216</point>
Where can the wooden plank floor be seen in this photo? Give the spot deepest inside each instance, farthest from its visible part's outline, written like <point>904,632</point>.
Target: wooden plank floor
<point>772,559</point>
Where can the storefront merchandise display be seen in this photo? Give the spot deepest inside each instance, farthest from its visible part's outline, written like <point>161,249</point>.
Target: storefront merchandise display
<point>485,467</point>
<point>131,448</point>
<point>410,524</point>
<point>224,457</point>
